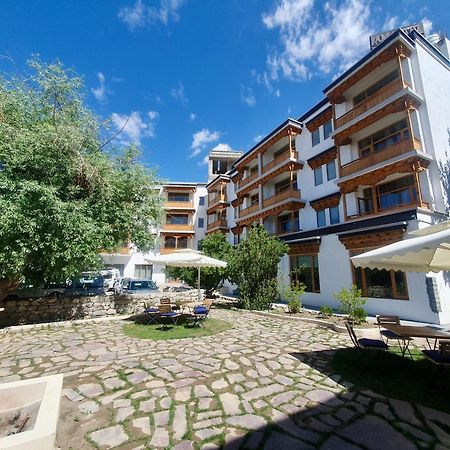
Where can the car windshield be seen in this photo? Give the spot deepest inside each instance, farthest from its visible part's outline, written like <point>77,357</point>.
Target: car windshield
<point>142,285</point>
<point>97,282</point>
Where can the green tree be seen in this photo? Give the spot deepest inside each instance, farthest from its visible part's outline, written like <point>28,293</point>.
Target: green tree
<point>211,279</point>
<point>253,267</point>
<point>64,195</point>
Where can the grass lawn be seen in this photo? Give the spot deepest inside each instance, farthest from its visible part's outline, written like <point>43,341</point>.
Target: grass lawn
<point>387,373</point>
<point>155,332</point>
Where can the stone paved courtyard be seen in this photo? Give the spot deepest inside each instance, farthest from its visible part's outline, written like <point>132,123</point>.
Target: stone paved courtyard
<point>250,387</point>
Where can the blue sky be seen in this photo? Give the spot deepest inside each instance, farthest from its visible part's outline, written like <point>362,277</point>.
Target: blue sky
<point>191,75</point>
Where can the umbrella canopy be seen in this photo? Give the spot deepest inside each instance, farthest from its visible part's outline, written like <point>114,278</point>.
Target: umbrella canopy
<point>424,253</point>
<point>188,258</point>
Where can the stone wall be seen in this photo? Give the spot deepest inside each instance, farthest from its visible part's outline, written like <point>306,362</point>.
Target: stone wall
<point>48,309</point>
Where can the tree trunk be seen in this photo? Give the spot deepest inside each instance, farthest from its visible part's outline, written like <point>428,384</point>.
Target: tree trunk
<point>6,287</point>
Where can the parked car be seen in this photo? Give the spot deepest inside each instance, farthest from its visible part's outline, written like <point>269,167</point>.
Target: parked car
<point>112,280</point>
<point>87,284</point>
<point>139,286</point>
<point>51,289</point>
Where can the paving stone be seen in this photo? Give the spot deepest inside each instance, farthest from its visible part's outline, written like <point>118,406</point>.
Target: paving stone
<point>383,410</point>
<point>114,383</point>
<point>160,438</point>
<point>139,395</point>
<point>209,414</point>
<point>185,445</point>
<point>122,403</point>
<point>284,422</point>
<point>374,433</point>
<point>202,391</point>
<point>230,404</point>
<point>324,397</point>
<point>422,436</point>
<point>230,365</point>
<point>89,407</point>
<point>165,402</point>
<point>179,422</point>
<point>284,397</point>
<point>254,440</point>
<point>336,443</point>
<point>72,395</point>
<point>181,395</point>
<point>404,411</point>
<point>208,433</point>
<point>284,380</point>
<point>260,404</point>
<point>161,418</point>
<point>109,437</point>
<point>90,389</point>
<point>143,424</point>
<point>219,384</point>
<point>147,405</point>
<point>235,378</point>
<point>207,423</point>
<point>283,441</point>
<point>434,415</point>
<point>123,413</point>
<point>205,403</point>
<point>263,392</point>
<point>248,421</point>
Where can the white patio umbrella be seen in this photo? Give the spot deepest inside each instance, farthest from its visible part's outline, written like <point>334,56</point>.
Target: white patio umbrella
<point>424,253</point>
<point>188,258</point>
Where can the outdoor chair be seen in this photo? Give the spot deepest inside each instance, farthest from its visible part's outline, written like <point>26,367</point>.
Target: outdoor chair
<point>440,357</point>
<point>164,301</point>
<point>166,313</point>
<point>383,319</point>
<point>365,343</point>
<point>152,313</point>
<point>200,313</point>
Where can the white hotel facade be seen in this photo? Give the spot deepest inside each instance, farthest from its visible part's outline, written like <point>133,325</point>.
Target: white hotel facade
<point>357,171</point>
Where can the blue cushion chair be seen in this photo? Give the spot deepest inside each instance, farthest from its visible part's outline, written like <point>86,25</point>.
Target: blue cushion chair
<point>441,356</point>
<point>365,343</point>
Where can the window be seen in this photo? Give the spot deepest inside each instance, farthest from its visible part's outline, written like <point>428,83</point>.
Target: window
<point>334,215</point>
<point>253,170</point>
<point>170,242</point>
<point>219,167</point>
<point>315,136</point>
<point>288,223</point>
<point>380,283</point>
<point>201,222</point>
<point>375,87</point>
<point>318,177</point>
<point>305,269</point>
<point>331,170</point>
<point>143,271</point>
<point>182,242</point>
<point>201,201</point>
<point>285,185</point>
<point>178,196</point>
<point>177,219</point>
<point>327,129</point>
<point>254,200</point>
<point>321,221</point>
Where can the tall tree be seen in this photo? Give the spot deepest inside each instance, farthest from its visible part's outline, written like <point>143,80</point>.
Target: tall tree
<point>64,195</point>
<point>253,267</point>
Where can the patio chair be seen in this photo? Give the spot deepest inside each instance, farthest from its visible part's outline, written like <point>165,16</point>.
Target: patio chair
<point>166,313</point>
<point>200,313</point>
<point>152,312</point>
<point>365,343</point>
<point>440,357</point>
<point>383,319</point>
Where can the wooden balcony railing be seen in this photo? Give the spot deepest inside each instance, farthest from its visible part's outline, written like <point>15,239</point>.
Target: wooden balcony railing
<point>277,198</point>
<point>249,210</point>
<point>216,199</point>
<point>178,227</point>
<point>181,205</point>
<point>377,97</point>
<point>221,223</point>
<point>166,250</point>
<point>248,179</point>
<point>279,159</point>
<point>404,146</point>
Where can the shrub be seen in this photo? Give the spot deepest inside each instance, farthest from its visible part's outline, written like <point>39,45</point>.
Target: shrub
<point>326,311</point>
<point>294,305</point>
<point>352,303</point>
<point>292,292</point>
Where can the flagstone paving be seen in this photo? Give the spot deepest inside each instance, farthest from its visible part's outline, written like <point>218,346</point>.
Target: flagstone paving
<point>262,385</point>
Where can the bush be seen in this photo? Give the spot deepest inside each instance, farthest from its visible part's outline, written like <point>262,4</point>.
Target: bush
<point>292,292</point>
<point>326,311</point>
<point>352,303</point>
<point>294,306</point>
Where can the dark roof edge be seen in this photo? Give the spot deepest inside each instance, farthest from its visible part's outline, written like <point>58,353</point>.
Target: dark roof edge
<point>325,197</point>
<point>320,154</point>
<point>314,109</point>
<point>222,175</point>
<point>431,47</point>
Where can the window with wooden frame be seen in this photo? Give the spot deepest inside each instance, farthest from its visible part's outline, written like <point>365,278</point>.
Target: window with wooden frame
<point>253,170</point>
<point>376,283</point>
<point>284,150</point>
<point>288,223</point>
<point>177,219</point>
<point>178,196</point>
<point>305,269</point>
<point>182,242</point>
<point>254,199</point>
<point>375,87</point>
<point>286,184</point>
<point>170,242</point>
<point>384,138</point>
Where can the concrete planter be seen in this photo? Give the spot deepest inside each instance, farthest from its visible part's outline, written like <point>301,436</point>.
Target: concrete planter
<point>36,402</point>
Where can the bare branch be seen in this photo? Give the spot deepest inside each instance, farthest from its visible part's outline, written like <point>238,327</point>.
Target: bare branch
<point>115,135</point>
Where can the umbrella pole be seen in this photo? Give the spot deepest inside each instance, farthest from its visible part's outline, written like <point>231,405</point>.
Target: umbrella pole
<point>198,283</point>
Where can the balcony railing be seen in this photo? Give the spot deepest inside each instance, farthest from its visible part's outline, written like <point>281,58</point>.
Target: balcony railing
<point>222,223</point>
<point>404,146</point>
<point>278,198</point>
<point>248,179</point>
<point>248,210</point>
<point>178,227</point>
<point>181,205</point>
<point>280,159</point>
<point>216,199</point>
<point>166,250</point>
<point>377,97</point>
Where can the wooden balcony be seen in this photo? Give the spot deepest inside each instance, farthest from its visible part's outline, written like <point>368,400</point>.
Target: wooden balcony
<point>221,223</point>
<point>216,199</point>
<point>404,146</point>
<point>178,227</point>
<point>384,93</point>
<point>249,210</point>
<point>167,250</point>
<point>280,159</point>
<point>248,179</point>
<point>278,198</point>
<point>178,205</point>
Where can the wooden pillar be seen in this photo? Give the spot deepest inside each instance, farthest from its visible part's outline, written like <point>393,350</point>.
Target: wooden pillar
<point>410,126</point>
<point>417,185</point>
<point>344,204</point>
<point>374,198</point>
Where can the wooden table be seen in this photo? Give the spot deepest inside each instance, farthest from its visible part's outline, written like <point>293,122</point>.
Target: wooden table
<point>406,331</point>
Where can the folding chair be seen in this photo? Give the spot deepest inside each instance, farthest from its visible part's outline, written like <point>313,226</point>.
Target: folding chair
<point>152,313</point>
<point>165,313</point>
<point>200,313</point>
<point>365,343</point>
<point>383,319</point>
<point>440,357</point>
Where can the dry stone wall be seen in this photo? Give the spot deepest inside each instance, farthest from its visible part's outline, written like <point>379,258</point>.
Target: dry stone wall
<point>48,309</point>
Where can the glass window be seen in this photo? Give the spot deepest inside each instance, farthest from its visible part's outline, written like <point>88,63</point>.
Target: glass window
<point>177,219</point>
<point>170,242</point>
<point>315,137</point>
<point>334,215</point>
<point>201,222</point>
<point>305,269</point>
<point>182,242</point>
<point>331,170</point>
<point>288,223</point>
<point>327,129</point>
<point>143,271</point>
<point>318,177</point>
<point>201,201</point>
<point>321,221</point>
<point>375,87</point>
<point>178,197</point>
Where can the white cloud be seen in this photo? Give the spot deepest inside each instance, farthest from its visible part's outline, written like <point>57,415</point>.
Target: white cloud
<point>390,23</point>
<point>202,138</point>
<point>316,39</point>
<point>247,96</point>
<point>223,148</point>
<point>258,138</point>
<point>192,116</point>
<point>100,91</point>
<point>178,93</point>
<point>204,161</point>
<point>140,15</point>
<point>427,25</point>
<point>134,126</point>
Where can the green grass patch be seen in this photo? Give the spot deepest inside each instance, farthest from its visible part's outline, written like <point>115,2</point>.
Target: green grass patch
<point>156,332</point>
<point>388,374</point>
